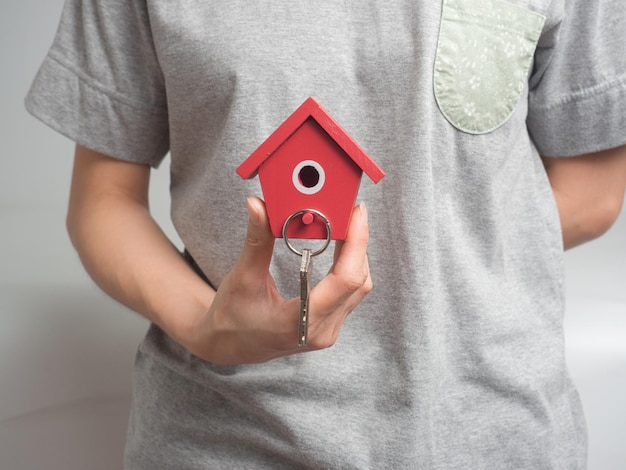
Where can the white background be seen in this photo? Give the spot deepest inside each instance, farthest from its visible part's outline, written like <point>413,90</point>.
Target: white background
<point>66,350</point>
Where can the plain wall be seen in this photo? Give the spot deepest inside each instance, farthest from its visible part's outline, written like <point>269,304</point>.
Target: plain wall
<point>66,350</point>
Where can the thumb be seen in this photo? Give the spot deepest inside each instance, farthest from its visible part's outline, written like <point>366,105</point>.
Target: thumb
<point>259,243</point>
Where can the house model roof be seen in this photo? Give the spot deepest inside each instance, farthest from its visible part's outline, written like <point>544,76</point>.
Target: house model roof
<point>310,109</point>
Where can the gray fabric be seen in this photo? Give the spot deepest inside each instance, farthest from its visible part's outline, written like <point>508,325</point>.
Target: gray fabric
<point>456,359</point>
<point>580,87</point>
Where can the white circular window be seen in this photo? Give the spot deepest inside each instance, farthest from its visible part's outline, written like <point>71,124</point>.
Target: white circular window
<point>308,177</point>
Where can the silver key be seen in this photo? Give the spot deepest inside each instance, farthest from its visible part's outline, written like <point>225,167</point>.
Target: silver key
<point>305,288</point>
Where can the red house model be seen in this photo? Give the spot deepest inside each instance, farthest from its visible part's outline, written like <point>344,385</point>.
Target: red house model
<point>310,162</point>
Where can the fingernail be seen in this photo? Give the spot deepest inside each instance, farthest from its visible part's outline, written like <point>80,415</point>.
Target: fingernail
<point>363,209</point>
<point>253,211</point>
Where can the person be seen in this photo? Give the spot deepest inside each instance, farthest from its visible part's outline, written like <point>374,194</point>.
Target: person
<point>435,335</point>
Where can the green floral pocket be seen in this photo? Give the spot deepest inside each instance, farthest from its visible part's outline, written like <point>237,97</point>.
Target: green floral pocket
<point>484,54</point>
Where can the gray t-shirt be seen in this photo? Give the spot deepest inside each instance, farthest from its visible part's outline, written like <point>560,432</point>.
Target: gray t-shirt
<point>456,359</point>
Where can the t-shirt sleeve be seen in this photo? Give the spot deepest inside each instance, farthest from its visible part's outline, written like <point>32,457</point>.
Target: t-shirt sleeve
<point>577,101</point>
<point>101,84</point>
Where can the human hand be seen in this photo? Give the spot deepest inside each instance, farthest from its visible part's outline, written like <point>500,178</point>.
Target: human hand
<point>250,322</point>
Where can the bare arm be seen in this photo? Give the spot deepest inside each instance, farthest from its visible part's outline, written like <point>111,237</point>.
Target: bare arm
<point>122,247</point>
<point>246,320</point>
<point>589,191</point>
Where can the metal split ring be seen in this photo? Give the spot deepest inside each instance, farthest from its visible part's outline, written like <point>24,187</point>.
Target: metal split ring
<point>302,212</point>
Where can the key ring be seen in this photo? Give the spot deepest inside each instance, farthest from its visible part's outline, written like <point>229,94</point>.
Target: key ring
<point>302,212</point>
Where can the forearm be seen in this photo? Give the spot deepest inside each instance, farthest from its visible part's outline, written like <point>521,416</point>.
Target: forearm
<point>589,192</point>
<point>131,259</point>
<point>584,220</point>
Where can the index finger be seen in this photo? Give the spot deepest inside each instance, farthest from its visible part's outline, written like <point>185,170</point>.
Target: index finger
<point>350,270</point>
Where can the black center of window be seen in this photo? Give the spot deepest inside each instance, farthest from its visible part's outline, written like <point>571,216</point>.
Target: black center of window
<point>309,176</point>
